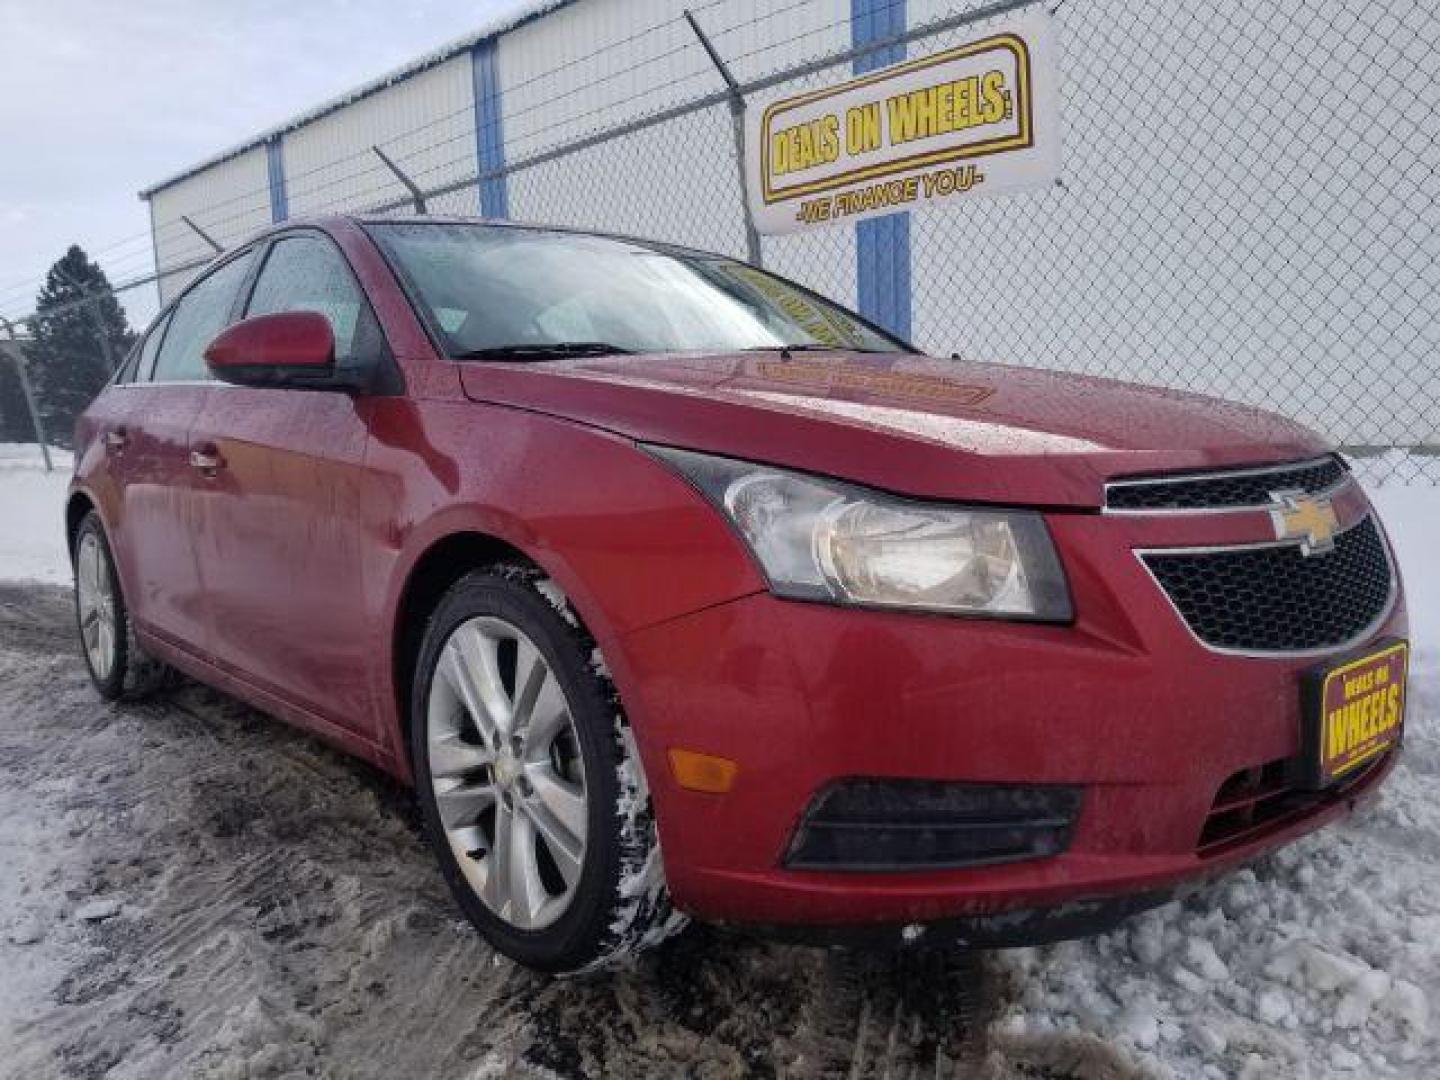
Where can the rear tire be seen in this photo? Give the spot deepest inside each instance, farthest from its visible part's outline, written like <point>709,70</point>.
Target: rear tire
<point>532,794</point>
<point>118,666</point>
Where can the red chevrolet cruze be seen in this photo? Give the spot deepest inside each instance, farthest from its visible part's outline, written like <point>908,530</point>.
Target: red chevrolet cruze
<point>676,588</point>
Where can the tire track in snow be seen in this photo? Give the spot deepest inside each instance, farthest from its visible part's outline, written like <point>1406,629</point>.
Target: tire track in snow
<point>279,914</point>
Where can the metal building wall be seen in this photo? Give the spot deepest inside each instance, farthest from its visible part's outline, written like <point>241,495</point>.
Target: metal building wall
<point>425,122</point>
<point>581,68</point>
<point>578,69</point>
<point>592,65</point>
<point>229,201</point>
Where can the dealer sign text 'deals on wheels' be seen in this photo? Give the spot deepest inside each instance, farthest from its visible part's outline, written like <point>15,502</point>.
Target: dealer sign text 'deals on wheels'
<point>977,118</point>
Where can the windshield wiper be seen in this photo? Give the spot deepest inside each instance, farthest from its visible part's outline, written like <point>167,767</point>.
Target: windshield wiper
<point>550,350</point>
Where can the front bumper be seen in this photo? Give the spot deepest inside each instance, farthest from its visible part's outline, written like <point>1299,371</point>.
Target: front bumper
<point>1125,704</point>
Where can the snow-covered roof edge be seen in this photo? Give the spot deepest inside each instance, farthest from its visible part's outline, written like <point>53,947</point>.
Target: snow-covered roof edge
<point>524,13</point>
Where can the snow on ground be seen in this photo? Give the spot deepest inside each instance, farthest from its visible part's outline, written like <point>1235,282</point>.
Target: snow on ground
<point>32,512</point>
<point>1411,513</point>
<point>189,888</point>
<point>1318,961</point>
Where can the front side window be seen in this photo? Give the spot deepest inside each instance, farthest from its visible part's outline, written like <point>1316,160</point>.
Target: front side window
<point>199,316</point>
<point>493,292</point>
<point>306,273</point>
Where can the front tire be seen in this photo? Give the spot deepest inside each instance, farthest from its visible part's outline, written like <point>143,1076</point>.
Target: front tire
<point>118,666</point>
<point>531,791</point>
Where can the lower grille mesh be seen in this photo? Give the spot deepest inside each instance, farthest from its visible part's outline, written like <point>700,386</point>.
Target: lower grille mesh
<point>1258,801</point>
<point>1275,599</point>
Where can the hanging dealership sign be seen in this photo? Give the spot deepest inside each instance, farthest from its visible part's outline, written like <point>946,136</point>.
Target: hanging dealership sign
<point>978,118</point>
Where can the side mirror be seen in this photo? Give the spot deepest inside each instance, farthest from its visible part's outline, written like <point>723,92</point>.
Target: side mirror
<point>288,349</point>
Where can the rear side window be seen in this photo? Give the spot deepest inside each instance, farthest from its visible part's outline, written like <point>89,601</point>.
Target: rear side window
<point>197,319</point>
<point>140,365</point>
<point>305,273</point>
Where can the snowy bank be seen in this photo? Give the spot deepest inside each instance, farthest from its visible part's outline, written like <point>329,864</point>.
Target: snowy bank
<point>32,514</point>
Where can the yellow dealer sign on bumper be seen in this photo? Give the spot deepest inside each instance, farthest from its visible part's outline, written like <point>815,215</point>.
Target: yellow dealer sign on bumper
<point>976,118</point>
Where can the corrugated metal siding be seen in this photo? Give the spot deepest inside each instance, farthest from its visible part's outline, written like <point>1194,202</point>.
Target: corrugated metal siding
<point>603,62</point>
<point>425,124</point>
<point>591,66</point>
<point>229,201</point>
<point>580,69</point>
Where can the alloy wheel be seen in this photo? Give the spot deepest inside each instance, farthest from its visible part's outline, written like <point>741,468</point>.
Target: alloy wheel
<point>95,598</point>
<point>506,771</point>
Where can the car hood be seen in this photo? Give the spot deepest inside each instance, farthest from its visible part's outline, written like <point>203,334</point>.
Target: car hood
<point>916,425</point>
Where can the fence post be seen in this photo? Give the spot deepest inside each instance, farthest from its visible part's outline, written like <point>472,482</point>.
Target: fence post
<point>737,120</point>
<point>883,261</point>
<point>416,195</point>
<point>21,370</point>
<point>214,244</point>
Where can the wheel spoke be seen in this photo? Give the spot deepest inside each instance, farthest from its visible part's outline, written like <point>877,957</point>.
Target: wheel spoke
<point>561,801</point>
<point>452,756</point>
<point>527,891</point>
<point>104,648</point>
<point>85,577</point>
<point>471,665</point>
<point>566,848</point>
<point>462,804</point>
<point>496,893</point>
<point>97,571</point>
<point>531,673</point>
<point>549,716</point>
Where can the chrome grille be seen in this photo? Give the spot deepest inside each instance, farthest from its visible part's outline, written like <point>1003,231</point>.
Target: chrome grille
<point>1272,598</point>
<point>1227,490</point>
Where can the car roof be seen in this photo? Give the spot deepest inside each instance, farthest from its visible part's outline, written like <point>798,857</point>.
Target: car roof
<point>321,221</point>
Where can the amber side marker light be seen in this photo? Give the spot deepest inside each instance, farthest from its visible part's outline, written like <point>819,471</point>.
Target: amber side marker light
<point>702,772</point>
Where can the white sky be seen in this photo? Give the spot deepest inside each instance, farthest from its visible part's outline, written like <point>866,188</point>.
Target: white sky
<point>99,99</point>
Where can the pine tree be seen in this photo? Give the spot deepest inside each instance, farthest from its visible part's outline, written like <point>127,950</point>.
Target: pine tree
<point>15,425</point>
<point>68,356</point>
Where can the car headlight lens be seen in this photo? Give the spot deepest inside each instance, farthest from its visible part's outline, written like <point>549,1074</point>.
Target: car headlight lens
<point>823,540</point>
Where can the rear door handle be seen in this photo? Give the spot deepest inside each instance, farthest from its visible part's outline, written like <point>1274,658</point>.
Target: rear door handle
<point>207,459</point>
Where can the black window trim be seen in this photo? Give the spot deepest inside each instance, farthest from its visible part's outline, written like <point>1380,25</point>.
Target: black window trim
<point>387,378</point>
<point>162,321</point>
<point>158,329</point>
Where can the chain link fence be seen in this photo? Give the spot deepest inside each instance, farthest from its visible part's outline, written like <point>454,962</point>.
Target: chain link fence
<point>1249,204</point>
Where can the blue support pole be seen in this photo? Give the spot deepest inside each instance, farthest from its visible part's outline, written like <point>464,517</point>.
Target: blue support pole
<point>275,168</point>
<point>882,245</point>
<point>489,131</point>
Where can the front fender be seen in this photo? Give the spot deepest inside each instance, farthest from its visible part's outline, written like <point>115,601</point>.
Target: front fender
<point>630,543</point>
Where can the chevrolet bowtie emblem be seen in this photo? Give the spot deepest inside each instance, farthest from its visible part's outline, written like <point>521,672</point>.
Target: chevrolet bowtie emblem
<point>1313,522</point>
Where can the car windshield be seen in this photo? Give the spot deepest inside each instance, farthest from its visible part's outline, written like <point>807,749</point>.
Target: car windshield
<point>496,292</point>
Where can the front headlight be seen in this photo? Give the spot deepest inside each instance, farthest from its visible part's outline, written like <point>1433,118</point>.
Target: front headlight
<point>823,540</point>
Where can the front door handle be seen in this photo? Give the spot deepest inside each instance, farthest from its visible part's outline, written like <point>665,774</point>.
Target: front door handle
<point>115,440</point>
<point>207,459</point>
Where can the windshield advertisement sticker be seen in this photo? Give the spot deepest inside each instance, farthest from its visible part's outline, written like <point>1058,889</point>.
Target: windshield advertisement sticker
<point>977,118</point>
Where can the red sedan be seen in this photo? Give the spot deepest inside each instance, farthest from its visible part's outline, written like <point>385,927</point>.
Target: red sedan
<point>676,589</point>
